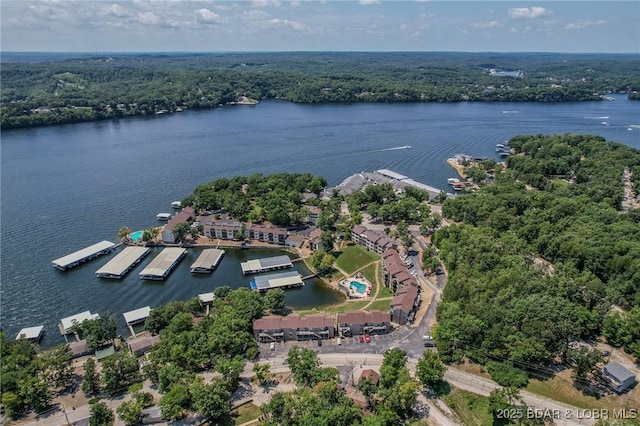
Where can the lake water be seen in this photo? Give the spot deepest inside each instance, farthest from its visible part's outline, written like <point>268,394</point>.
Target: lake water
<point>70,186</point>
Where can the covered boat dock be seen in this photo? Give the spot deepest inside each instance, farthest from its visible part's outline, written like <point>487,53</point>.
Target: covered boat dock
<point>207,261</point>
<point>74,259</point>
<point>282,280</point>
<point>67,323</point>
<point>257,266</point>
<point>163,264</point>
<point>123,262</point>
<point>136,317</point>
<point>32,334</point>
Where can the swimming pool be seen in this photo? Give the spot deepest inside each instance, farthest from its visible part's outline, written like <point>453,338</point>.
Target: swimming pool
<point>136,235</point>
<point>360,288</point>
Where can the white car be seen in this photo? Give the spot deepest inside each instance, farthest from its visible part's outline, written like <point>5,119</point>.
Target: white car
<point>272,346</point>
<point>339,341</point>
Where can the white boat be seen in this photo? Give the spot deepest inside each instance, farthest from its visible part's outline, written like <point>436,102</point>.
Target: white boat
<point>451,181</point>
<point>176,204</point>
<point>499,145</point>
<point>163,216</point>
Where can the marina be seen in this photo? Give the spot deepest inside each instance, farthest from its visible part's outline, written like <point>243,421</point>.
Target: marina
<point>163,264</point>
<point>433,192</point>
<point>256,266</point>
<point>32,334</point>
<point>136,316</point>
<point>281,280</point>
<point>207,261</point>
<point>122,263</point>
<point>76,258</point>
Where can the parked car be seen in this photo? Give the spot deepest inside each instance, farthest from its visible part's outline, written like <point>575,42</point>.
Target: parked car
<point>367,338</point>
<point>272,346</point>
<point>439,270</point>
<point>339,341</point>
<point>361,339</point>
<point>319,342</point>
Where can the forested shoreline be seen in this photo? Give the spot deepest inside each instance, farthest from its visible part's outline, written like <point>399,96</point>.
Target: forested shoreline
<point>543,257</point>
<point>122,85</point>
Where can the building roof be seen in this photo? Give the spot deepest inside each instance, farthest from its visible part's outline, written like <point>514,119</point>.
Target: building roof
<point>77,256</point>
<point>121,262</point>
<point>421,186</point>
<point>619,372</point>
<point>142,343</point>
<point>378,317</point>
<point>185,214</point>
<point>391,174</point>
<point>318,321</point>
<point>405,298</point>
<point>207,259</point>
<point>136,315</point>
<point>390,252</point>
<point>69,322</point>
<point>396,269</point>
<point>292,321</point>
<point>266,263</point>
<point>359,229</point>
<point>281,279</point>
<point>369,375</point>
<point>163,262</point>
<point>78,348</point>
<point>30,333</point>
<point>351,317</point>
<point>315,234</point>
<point>296,238</point>
<point>206,297</point>
<point>269,322</point>
<point>105,352</point>
<point>371,235</point>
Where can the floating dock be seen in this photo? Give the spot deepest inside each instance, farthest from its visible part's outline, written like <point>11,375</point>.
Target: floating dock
<point>207,261</point>
<point>163,264</point>
<point>123,262</point>
<point>257,266</point>
<point>136,317</point>
<point>433,192</point>
<point>282,280</point>
<point>74,259</point>
<point>67,323</point>
<point>32,334</point>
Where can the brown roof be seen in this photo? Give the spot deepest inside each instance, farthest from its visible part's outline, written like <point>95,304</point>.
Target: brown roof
<point>378,317</point>
<point>292,321</point>
<point>393,260</point>
<point>314,209</point>
<point>297,238</point>
<point>404,276</point>
<point>185,214</point>
<point>315,321</point>
<point>315,234</point>
<point>79,347</point>
<point>386,242</point>
<point>351,317</point>
<point>370,375</point>
<point>390,252</point>
<point>396,269</point>
<point>371,236</point>
<point>359,229</point>
<point>270,322</point>
<point>142,343</point>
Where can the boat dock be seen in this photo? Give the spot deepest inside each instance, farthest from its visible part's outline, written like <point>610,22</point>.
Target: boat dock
<point>207,261</point>
<point>433,192</point>
<point>282,280</point>
<point>74,259</point>
<point>136,317</point>
<point>123,262</point>
<point>32,334</point>
<point>67,323</point>
<point>257,266</point>
<point>163,264</point>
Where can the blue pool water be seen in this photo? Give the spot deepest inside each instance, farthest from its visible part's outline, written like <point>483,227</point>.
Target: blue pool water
<point>360,288</point>
<point>136,235</point>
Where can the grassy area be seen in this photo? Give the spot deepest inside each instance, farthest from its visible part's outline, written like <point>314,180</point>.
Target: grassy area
<point>561,388</point>
<point>385,292</point>
<point>472,409</point>
<point>370,273</point>
<point>354,257</point>
<point>246,413</point>
<point>380,305</point>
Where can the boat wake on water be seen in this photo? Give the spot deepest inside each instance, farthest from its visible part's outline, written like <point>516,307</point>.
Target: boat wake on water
<point>394,148</point>
<point>510,112</point>
<point>606,117</point>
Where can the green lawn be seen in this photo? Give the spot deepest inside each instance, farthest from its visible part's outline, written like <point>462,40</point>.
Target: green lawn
<point>246,413</point>
<point>354,257</point>
<point>472,409</point>
<point>337,309</point>
<point>380,305</point>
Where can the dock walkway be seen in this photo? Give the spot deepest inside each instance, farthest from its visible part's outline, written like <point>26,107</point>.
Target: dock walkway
<point>163,264</point>
<point>122,263</point>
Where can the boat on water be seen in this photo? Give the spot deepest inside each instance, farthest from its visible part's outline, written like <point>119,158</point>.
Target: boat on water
<point>499,146</point>
<point>163,216</point>
<point>503,154</point>
<point>451,181</point>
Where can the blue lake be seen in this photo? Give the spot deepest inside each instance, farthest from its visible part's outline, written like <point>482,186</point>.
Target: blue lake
<point>67,187</point>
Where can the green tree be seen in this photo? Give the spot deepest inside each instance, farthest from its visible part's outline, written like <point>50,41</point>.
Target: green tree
<point>13,404</point>
<point>327,241</point>
<point>119,371</point>
<point>274,300</point>
<point>393,361</point>
<point>262,373</point>
<point>57,366</point>
<point>130,411</point>
<point>507,375</point>
<point>584,361</point>
<point>180,231</point>
<point>210,400</point>
<point>101,415</point>
<point>36,393</point>
<point>430,369</point>
<point>123,233</point>
<point>175,402</point>
<point>91,378</point>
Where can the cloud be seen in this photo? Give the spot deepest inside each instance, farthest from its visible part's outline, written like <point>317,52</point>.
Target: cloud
<point>206,16</point>
<point>584,24</point>
<point>148,18</point>
<point>368,2</point>
<point>484,25</point>
<point>290,24</point>
<point>294,3</point>
<point>265,3</point>
<point>114,10</point>
<point>528,13</point>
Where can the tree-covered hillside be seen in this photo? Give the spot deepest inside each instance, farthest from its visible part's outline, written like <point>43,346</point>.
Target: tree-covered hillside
<point>544,255</point>
<point>93,88</point>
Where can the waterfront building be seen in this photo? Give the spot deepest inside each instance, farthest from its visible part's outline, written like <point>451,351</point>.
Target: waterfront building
<point>356,323</point>
<point>167,231</point>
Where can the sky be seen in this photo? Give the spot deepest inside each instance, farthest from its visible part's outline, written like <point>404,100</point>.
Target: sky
<point>319,25</point>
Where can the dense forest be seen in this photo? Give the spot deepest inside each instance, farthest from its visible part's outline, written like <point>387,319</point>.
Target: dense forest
<point>98,87</point>
<point>545,255</point>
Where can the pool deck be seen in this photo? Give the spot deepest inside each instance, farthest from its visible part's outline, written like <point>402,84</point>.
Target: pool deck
<point>345,286</point>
